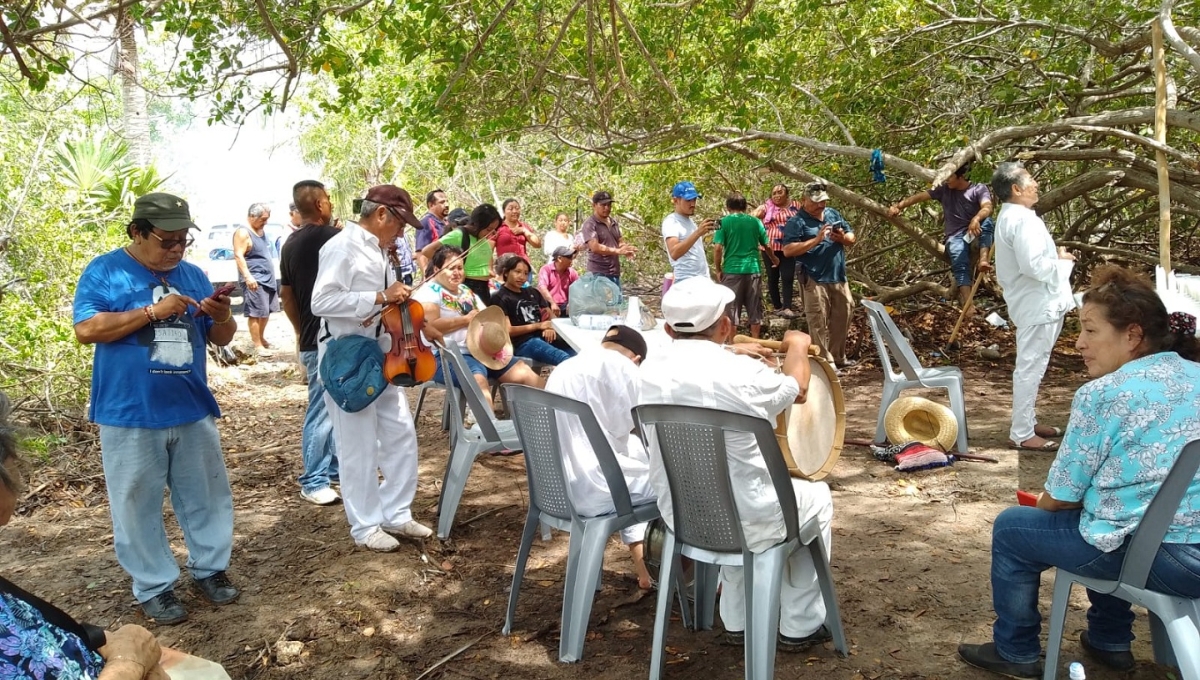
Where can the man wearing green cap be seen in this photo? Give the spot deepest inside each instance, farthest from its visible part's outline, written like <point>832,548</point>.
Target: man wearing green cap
<point>150,314</point>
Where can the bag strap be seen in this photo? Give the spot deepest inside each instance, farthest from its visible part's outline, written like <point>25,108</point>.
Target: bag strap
<point>92,636</point>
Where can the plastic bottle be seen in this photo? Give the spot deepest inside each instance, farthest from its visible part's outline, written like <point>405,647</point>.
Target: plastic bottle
<point>1075,671</point>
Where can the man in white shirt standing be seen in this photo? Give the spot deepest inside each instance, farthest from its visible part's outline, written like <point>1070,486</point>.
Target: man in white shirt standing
<point>355,280</point>
<point>607,379</point>
<point>1034,275</point>
<point>696,319</point>
<point>683,239</point>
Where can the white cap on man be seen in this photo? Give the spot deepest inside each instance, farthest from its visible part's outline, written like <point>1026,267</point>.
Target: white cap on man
<point>695,304</point>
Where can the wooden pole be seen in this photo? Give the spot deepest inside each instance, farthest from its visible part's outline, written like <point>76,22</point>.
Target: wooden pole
<point>1160,135</point>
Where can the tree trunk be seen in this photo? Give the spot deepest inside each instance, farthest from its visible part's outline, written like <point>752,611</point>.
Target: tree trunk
<point>133,97</point>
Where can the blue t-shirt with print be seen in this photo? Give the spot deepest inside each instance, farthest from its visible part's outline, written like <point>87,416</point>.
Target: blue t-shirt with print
<point>826,262</point>
<point>1126,431</point>
<point>156,377</point>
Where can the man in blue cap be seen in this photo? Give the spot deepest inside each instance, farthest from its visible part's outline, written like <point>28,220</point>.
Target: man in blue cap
<point>684,240</point>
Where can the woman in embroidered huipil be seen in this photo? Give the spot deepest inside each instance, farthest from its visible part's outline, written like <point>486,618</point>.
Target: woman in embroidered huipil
<point>1127,428</point>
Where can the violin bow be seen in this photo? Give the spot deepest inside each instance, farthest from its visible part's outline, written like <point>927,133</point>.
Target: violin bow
<point>458,258</point>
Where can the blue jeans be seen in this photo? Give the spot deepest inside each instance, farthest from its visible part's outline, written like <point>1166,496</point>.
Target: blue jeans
<point>544,352</point>
<point>959,251</point>
<point>474,367</point>
<point>138,464</point>
<point>316,440</point>
<point>1027,541</point>
<point>615,279</point>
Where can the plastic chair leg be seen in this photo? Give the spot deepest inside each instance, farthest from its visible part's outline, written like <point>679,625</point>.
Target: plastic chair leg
<point>420,401</point>
<point>890,391</point>
<point>958,405</point>
<point>764,575</point>
<point>1161,642</point>
<point>1058,619</point>
<point>531,524</point>
<point>584,562</point>
<point>833,613</point>
<point>1184,640</point>
<point>455,482</point>
<point>662,610</point>
<point>707,577</point>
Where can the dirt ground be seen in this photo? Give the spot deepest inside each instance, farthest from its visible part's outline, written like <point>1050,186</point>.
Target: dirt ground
<point>910,552</point>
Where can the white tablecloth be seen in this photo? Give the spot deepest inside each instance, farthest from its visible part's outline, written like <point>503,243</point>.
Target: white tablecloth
<point>582,338</point>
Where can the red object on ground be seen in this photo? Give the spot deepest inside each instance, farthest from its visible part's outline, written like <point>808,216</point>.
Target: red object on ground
<point>1026,498</point>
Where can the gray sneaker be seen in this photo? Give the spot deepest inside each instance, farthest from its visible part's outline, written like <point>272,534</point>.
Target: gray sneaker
<point>165,609</point>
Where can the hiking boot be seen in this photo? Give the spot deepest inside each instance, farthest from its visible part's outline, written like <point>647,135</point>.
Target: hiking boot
<point>984,656</point>
<point>1118,661</point>
<point>410,529</point>
<point>322,496</point>
<point>379,541</point>
<point>218,589</point>
<point>800,644</point>
<point>164,609</point>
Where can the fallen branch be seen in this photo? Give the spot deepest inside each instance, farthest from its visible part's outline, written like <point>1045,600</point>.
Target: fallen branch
<point>441,662</point>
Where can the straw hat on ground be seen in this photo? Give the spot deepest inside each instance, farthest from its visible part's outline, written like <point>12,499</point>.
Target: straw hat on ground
<point>488,340</point>
<point>914,419</point>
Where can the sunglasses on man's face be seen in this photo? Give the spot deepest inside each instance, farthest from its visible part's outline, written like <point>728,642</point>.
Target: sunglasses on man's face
<point>172,243</point>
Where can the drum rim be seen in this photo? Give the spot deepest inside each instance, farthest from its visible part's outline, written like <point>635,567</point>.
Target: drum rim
<point>839,432</point>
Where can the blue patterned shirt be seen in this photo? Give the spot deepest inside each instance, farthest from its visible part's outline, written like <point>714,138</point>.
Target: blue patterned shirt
<point>1126,431</point>
<point>31,647</point>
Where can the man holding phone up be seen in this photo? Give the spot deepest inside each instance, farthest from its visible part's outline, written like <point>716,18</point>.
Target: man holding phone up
<point>818,236</point>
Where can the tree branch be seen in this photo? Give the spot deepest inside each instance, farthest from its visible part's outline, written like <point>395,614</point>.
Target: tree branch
<point>1148,257</point>
<point>905,166</point>
<point>293,68</point>
<point>1171,36</point>
<point>466,62</point>
<point>1138,116</point>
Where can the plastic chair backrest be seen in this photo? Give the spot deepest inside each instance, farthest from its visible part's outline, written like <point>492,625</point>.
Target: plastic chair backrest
<point>899,349</point>
<point>1148,536</point>
<point>691,441</point>
<point>470,389</point>
<point>535,413</point>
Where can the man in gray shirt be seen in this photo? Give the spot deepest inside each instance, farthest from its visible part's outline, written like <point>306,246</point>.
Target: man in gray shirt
<point>603,238</point>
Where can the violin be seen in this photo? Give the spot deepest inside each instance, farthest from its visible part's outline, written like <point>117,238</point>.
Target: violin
<point>409,361</point>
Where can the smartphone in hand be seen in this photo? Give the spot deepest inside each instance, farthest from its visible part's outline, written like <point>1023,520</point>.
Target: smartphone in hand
<point>223,291</point>
<point>220,292</point>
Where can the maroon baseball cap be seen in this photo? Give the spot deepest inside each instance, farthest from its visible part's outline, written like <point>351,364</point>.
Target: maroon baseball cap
<point>396,198</point>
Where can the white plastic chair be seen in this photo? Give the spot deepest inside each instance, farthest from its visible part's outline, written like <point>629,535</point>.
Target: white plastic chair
<point>1174,621</point>
<point>707,529</point>
<point>533,411</point>
<point>892,346</point>
<point>487,435</point>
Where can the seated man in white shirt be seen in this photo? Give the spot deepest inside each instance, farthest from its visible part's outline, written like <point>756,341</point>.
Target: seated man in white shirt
<point>699,371</point>
<point>607,379</point>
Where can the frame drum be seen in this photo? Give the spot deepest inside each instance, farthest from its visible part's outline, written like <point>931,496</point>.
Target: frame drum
<point>811,434</point>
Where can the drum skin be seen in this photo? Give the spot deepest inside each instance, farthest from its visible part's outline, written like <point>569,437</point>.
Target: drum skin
<point>811,434</point>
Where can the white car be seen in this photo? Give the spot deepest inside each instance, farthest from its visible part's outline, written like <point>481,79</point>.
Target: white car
<point>213,251</point>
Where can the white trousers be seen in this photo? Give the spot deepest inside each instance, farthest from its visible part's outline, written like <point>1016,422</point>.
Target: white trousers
<point>1034,344</point>
<point>801,607</point>
<point>380,437</point>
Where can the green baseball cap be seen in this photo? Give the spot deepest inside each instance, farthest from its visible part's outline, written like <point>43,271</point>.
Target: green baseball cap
<point>167,212</point>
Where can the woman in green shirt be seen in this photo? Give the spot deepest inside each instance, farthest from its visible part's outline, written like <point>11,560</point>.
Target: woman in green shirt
<point>475,239</point>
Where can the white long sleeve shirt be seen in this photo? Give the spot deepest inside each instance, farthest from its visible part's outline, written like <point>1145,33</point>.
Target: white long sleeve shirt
<point>352,269</point>
<point>1035,281</point>
<point>608,381</point>
<point>702,373</point>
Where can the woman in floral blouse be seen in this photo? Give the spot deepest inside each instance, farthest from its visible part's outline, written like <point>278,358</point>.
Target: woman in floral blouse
<point>38,640</point>
<point>1127,428</point>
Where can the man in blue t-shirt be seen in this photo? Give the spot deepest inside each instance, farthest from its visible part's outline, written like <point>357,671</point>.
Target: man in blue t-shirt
<point>966,213</point>
<point>149,314</point>
<point>818,237</point>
